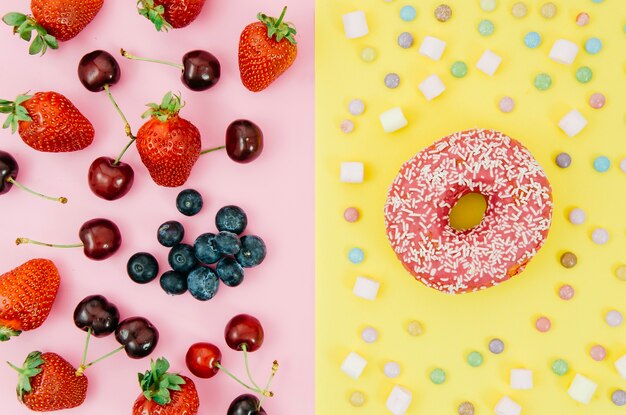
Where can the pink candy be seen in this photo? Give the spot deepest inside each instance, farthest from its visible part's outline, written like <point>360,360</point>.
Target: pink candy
<point>351,214</point>
<point>597,353</point>
<point>543,324</point>
<point>566,292</point>
<point>597,100</point>
<point>582,19</point>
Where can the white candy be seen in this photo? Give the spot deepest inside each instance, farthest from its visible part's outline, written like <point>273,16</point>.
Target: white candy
<point>366,288</point>
<point>563,51</point>
<point>432,47</point>
<point>352,172</point>
<point>572,123</point>
<point>399,400</point>
<point>355,24</point>
<point>507,406</point>
<point>353,365</point>
<point>393,120</point>
<point>489,62</point>
<point>582,389</point>
<point>521,379</point>
<point>432,87</point>
<point>620,365</point>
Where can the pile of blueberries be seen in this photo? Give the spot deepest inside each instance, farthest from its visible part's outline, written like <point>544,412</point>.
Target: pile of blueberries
<point>192,268</point>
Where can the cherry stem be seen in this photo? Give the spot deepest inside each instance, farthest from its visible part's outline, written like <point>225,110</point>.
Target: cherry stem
<point>82,363</point>
<point>84,367</point>
<point>236,379</point>
<point>269,383</point>
<point>136,58</point>
<point>130,143</point>
<point>62,200</point>
<point>282,16</point>
<point>245,358</point>
<point>210,150</point>
<point>20,241</point>
<point>127,128</point>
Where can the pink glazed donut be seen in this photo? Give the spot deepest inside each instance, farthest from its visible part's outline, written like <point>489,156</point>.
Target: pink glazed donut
<point>514,227</point>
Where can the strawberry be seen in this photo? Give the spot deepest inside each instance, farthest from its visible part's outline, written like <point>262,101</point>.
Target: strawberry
<point>48,122</point>
<point>165,393</point>
<point>169,146</point>
<point>267,48</point>
<point>53,21</point>
<point>47,382</point>
<point>167,14</point>
<point>27,294</point>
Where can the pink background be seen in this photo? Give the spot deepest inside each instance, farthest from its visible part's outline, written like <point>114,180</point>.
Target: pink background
<point>276,191</point>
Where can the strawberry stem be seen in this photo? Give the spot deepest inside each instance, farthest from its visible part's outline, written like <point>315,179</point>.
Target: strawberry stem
<point>210,150</point>
<point>20,241</point>
<point>127,128</point>
<point>136,58</point>
<point>62,200</point>
<point>6,333</point>
<point>245,359</point>
<point>269,383</point>
<point>282,16</point>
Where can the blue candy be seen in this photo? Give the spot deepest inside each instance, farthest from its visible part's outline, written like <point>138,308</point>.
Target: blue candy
<point>593,45</point>
<point>601,164</point>
<point>532,40</point>
<point>356,255</point>
<point>408,13</point>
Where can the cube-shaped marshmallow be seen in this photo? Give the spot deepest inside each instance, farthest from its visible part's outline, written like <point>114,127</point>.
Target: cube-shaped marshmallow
<point>393,120</point>
<point>489,62</point>
<point>366,288</point>
<point>355,24</point>
<point>353,365</point>
<point>352,172</point>
<point>521,379</point>
<point>432,87</point>
<point>507,406</point>
<point>399,400</point>
<point>572,123</point>
<point>620,365</point>
<point>432,47</point>
<point>582,389</point>
<point>564,51</point>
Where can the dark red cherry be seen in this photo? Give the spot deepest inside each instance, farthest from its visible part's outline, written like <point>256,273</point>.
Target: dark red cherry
<point>97,69</point>
<point>244,141</point>
<point>245,405</point>
<point>202,360</point>
<point>8,170</point>
<point>108,180</point>
<point>244,329</point>
<point>101,238</point>
<point>138,336</point>
<point>201,70</point>
<point>97,313</point>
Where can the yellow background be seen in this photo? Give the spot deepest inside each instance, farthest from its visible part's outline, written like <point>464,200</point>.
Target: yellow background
<point>456,325</point>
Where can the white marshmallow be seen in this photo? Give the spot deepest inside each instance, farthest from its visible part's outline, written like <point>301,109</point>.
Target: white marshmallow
<point>399,400</point>
<point>355,24</point>
<point>564,51</point>
<point>432,47</point>
<point>489,62</point>
<point>393,120</point>
<point>521,379</point>
<point>353,365</point>
<point>507,406</point>
<point>582,389</point>
<point>432,87</point>
<point>572,123</point>
<point>352,172</point>
<point>620,365</point>
<point>366,288</point>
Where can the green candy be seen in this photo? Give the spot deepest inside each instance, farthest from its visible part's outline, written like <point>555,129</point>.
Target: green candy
<point>584,74</point>
<point>438,376</point>
<point>560,367</point>
<point>459,69</point>
<point>543,81</point>
<point>486,27</point>
<point>475,359</point>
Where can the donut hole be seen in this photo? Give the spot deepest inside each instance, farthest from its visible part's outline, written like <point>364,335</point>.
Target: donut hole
<point>468,211</point>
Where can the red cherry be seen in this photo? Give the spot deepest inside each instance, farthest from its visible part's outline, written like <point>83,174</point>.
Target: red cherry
<point>108,180</point>
<point>202,360</point>
<point>244,330</point>
<point>101,238</point>
<point>244,141</point>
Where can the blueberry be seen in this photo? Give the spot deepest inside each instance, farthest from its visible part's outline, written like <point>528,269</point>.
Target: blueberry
<point>142,267</point>
<point>232,219</point>
<point>173,283</point>
<point>252,251</point>
<point>189,202</point>
<point>182,258</point>
<point>203,283</point>
<point>227,243</point>
<point>229,271</point>
<point>205,249</point>
<point>170,233</point>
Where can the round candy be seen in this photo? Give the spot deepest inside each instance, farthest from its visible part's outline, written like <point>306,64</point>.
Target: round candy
<point>582,19</point>
<point>356,255</point>
<point>357,399</point>
<point>506,104</point>
<point>584,74</point>
<point>569,260</point>
<point>620,272</point>
<point>392,80</point>
<point>566,292</point>
<point>496,346</point>
<point>532,40</point>
<point>543,324</point>
<point>488,5</point>
<point>602,164</point>
<point>408,13</point>
<point>391,370</point>
<point>486,27</point>
<point>368,54</point>
<point>622,165</point>
<point>618,397</point>
<point>351,214</point>
<point>597,353</point>
<point>560,367</point>
<point>466,408</point>
<point>369,335</point>
<point>458,69</point>
<point>614,318</point>
<point>519,10</point>
<point>597,1</point>
<point>548,10</point>
<point>543,81</point>
<point>405,40</point>
<point>414,328</point>
<point>475,359</point>
<point>563,160</point>
<point>593,45</point>
<point>347,126</point>
<point>356,107</point>
<point>443,13</point>
<point>600,236</point>
<point>577,216</point>
<point>597,100</point>
<point>438,376</point>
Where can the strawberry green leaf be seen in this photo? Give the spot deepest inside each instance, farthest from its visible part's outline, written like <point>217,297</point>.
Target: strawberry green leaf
<point>36,46</point>
<point>277,28</point>
<point>51,41</point>
<point>153,13</point>
<point>156,384</point>
<point>31,368</point>
<point>14,19</point>
<point>7,124</point>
